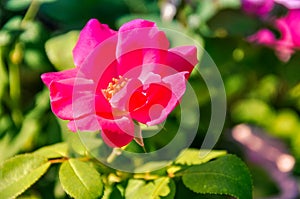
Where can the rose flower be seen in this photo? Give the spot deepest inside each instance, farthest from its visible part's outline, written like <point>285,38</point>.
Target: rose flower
<point>121,78</point>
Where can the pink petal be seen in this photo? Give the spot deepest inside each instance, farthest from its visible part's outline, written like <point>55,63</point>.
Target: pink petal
<point>258,7</point>
<point>47,78</point>
<point>138,63</point>
<point>177,83</point>
<point>139,34</point>
<point>118,132</point>
<point>263,36</point>
<point>292,20</point>
<point>88,111</point>
<point>65,98</point>
<point>100,66</point>
<point>291,4</point>
<point>87,123</point>
<point>61,99</point>
<point>285,30</point>
<point>91,35</point>
<point>168,62</point>
<point>115,133</point>
<point>136,23</point>
<point>183,58</point>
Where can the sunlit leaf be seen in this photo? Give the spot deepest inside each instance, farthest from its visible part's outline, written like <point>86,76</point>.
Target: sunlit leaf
<point>162,187</point>
<point>252,110</point>
<point>16,5</point>
<point>234,85</point>
<point>20,172</point>
<point>80,180</point>
<point>267,89</point>
<point>36,59</point>
<point>196,156</point>
<point>59,50</point>
<point>54,151</point>
<point>13,23</point>
<point>34,32</point>
<point>227,175</point>
<point>286,124</point>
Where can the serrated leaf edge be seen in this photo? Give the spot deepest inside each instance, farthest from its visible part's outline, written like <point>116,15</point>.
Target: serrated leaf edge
<point>229,194</point>
<point>46,165</point>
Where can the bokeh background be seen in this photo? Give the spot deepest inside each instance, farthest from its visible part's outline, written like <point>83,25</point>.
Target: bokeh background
<point>263,89</point>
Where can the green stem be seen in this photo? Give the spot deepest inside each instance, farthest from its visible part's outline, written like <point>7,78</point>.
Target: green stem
<point>114,154</point>
<point>31,12</point>
<point>15,83</point>
<point>58,160</point>
<point>3,76</point>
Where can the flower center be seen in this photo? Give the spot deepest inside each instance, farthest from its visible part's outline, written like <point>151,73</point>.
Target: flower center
<point>114,86</point>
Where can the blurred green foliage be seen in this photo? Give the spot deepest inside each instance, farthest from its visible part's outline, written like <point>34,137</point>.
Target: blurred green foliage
<point>38,36</point>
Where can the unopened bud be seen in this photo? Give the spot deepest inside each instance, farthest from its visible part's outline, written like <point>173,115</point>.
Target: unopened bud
<point>16,55</point>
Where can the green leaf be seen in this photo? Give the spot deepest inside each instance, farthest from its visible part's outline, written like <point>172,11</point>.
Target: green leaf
<point>54,151</point>
<point>233,23</point>
<point>31,126</point>
<point>195,156</point>
<point>285,124</point>
<point>59,50</point>
<point>80,180</point>
<point>227,175</point>
<point>112,192</point>
<point>207,8</point>
<point>18,173</point>
<point>163,187</point>
<point>16,5</point>
<point>151,166</point>
<point>253,111</point>
<point>183,192</point>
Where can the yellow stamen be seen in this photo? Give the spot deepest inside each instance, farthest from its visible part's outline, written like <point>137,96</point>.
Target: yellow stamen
<point>114,86</point>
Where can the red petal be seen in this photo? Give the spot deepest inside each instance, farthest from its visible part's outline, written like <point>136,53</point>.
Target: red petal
<point>161,100</point>
<point>118,132</point>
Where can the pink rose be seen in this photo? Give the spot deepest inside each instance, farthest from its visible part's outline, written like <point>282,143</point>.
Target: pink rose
<point>120,77</point>
<point>290,4</point>
<point>257,7</point>
<point>264,7</point>
<point>289,40</point>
